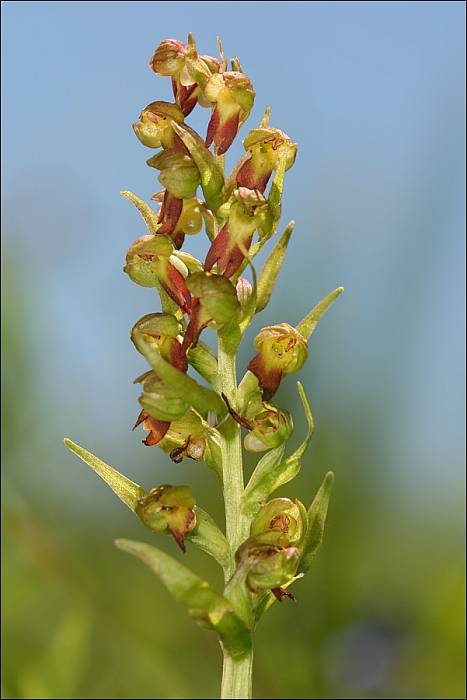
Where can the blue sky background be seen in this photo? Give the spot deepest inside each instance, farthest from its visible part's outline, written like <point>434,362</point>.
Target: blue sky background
<point>374,95</point>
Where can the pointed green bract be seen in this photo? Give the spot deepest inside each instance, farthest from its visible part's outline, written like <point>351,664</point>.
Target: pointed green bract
<point>316,520</point>
<point>148,214</point>
<point>207,536</point>
<point>203,361</point>
<point>209,609</point>
<point>309,323</point>
<point>266,464</point>
<point>248,390</point>
<point>201,398</point>
<point>124,488</point>
<point>275,199</point>
<point>270,476</point>
<point>212,179</point>
<point>271,269</point>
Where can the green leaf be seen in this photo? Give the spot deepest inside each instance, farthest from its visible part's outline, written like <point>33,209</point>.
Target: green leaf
<point>148,214</point>
<point>309,323</point>
<point>208,537</point>
<point>212,179</point>
<point>204,362</point>
<point>267,478</point>
<point>201,398</point>
<point>124,488</point>
<point>209,609</point>
<point>316,520</point>
<point>271,269</point>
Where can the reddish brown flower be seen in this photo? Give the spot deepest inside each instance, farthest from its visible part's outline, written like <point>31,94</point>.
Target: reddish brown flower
<point>264,146</point>
<point>227,249</point>
<point>232,97</point>
<point>282,350</point>
<point>188,70</point>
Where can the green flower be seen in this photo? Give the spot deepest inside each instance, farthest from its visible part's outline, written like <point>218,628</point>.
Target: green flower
<point>286,518</point>
<point>154,127</point>
<point>270,427</point>
<point>169,508</point>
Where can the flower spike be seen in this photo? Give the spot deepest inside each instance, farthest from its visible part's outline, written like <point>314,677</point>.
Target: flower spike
<point>269,542</point>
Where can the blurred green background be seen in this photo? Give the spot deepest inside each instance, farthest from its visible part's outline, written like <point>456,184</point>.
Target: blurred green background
<point>374,93</point>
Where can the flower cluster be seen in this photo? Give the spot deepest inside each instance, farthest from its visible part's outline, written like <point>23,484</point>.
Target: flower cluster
<point>209,293</point>
<point>268,543</point>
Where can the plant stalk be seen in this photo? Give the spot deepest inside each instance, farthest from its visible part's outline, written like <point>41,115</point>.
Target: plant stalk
<point>236,673</point>
<point>236,677</point>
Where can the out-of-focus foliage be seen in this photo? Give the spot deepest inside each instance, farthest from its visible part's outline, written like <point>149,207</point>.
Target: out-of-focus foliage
<point>379,207</point>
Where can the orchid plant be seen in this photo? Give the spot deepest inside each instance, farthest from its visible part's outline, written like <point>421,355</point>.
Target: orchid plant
<point>268,543</point>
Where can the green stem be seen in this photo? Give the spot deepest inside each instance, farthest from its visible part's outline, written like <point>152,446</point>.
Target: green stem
<point>236,675</point>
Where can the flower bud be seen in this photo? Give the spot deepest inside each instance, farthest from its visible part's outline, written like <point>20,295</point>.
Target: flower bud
<point>178,173</point>
<point>169,508</point>
<point>214,301</point>
<point>267,565</point>
<point>264,146</point>
<point>154,128</point>
<point>161,401</point>
<point>227,249</point>
<point>244,291</point>
<point>191,218</point>
<point>270,428</point>
<point>284,517</point>
<point>178,217</point>
<point>232,95</point>
<point>282,350</point>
